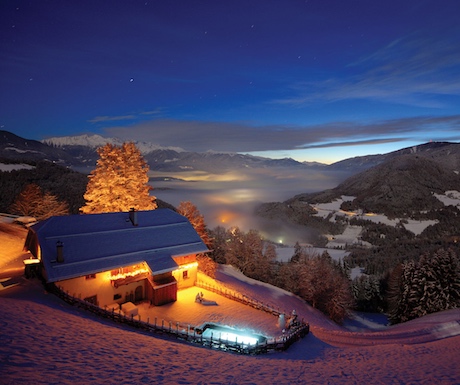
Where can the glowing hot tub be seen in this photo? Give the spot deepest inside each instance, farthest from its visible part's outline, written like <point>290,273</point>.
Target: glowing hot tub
<point>227,333</point>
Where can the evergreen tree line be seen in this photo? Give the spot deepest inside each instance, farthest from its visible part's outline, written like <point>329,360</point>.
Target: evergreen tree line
<point>55,182</point>
<point>413,288</point>
<point>429,285</point>
<point>317,279</point>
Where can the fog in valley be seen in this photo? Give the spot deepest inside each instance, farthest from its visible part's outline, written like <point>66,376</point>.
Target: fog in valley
<point>230,199</point>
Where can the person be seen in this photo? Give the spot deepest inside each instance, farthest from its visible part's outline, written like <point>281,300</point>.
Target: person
<point>293,319</point>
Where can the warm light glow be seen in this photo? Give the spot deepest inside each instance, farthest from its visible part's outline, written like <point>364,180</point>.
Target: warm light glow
<point>129,274</point>
<point>187,266</point>
<point>227,216</point>
<point>349,213</point>
<point>31,261</point>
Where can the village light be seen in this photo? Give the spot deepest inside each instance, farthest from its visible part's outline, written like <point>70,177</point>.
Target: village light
<point>127,274</point>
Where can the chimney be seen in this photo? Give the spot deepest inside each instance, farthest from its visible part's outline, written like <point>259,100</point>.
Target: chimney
<point>133,216</point>
<point>59,252</point>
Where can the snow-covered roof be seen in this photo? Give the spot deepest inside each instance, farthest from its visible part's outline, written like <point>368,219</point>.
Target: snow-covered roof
<point>93,243</point>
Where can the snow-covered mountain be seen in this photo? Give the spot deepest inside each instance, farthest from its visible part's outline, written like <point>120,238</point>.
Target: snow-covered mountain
<point>79,152</point>
<point>172,159</point>
<point>94,141</point>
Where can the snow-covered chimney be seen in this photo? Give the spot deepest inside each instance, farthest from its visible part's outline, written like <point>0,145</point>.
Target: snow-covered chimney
<point>59,252</point>
<point>133,216</point>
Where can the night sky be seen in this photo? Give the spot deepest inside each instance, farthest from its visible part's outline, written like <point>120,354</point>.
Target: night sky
<point>312,80</point>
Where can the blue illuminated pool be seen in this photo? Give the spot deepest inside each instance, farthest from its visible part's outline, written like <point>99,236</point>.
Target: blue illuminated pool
<point>227,333</point>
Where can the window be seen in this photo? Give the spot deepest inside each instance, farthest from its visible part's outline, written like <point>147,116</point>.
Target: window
<point>185,274</point>
<point>91,276</point>
<point>116,296</point>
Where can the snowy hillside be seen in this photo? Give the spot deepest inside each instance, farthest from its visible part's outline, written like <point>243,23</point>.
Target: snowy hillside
<point>44,341</point>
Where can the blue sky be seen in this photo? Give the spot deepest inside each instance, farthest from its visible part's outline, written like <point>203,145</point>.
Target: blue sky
<point>313,80</point>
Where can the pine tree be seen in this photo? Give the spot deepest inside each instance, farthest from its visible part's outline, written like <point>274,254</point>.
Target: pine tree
<point>297,253</point>
<point>431,285</point>
<point>441,282</point>
<point>394,298</point>
<point>119,182</point>
<point>325,287</point>
<point>367,293</point>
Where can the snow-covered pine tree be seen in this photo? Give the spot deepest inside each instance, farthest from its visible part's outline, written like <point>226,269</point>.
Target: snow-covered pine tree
<point>119,182</point>
<point>367,293</point>
<point>403,292</point>
<point>429,286</point>
<point>441,273</point>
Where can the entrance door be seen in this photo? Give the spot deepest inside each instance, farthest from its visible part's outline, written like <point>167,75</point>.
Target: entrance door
<point>138,294</point>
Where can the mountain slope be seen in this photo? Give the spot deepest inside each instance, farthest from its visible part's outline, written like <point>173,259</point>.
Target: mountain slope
<point>445,153</point>
<point>397,187</point>
<point>14,147</point>
<point>401,186</point>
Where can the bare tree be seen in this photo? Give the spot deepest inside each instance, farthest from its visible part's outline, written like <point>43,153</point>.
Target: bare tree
<point>33,202</point>
<point>27,201</point>
<point>190,211</point>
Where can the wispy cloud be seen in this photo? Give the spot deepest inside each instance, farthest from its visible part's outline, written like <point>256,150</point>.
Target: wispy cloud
<point>353,143</point>
<point>138,116</point>
<point>99,119</point>
<point>408,71</point>
<point>238,137</point>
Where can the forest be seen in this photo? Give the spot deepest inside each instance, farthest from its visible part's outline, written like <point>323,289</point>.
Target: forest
<point>404,276</point>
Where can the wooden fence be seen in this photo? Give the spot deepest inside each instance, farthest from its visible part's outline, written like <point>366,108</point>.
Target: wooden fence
<point>238,297</point>
<point>189,333</point>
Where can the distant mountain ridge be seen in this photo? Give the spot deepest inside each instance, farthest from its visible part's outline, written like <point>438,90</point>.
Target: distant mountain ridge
<point>79,153</point>
<point>95,141</point>
<point>14,148</point>
<point>402,184</point>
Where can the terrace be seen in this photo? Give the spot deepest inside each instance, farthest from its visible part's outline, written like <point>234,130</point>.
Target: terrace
<point>228,321</point>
